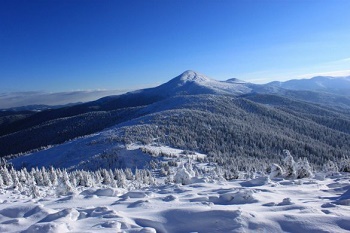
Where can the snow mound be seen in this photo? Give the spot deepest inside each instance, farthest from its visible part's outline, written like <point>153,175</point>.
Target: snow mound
<point>50,227</point>
<point>70,214</point>
<point>107,192</point>
<point>240,197</point>
<point>344,199</point>
<point>263,180</point>
<point>111,224</point>
<point>136,194</point>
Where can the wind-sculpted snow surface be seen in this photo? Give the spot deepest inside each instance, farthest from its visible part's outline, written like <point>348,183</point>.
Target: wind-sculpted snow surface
<point>258,205</point>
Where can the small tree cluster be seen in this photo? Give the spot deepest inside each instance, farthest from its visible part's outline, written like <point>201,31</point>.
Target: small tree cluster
<point>64,182</point>
<point>291,169</point>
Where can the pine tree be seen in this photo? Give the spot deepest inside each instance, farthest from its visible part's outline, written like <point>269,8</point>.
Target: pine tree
<point>113,183</point>
<point>330,167</point>
<point>16,184</point>
<point>303,169</point>
<point>6,177</point>
<point>23,176</point>
<point>64,186</point>
<point>36,173</point>
<point>128,174</point>
<point>88,180</point>
<point>72,179</point>
<point>98,177</point>
<point>121,179</point>
<point>53,176</point>
<point>106,177</point>
<point>33,189</point>
<point>275,171</point>
<point>1,181</point>
<point>289,163</point>
<point>344,165</point>
<point>46,178</point>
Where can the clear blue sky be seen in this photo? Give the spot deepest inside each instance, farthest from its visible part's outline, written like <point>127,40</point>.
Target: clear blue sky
<point>76,45</point>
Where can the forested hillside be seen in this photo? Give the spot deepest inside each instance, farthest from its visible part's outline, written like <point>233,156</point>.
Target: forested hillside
<point>224,119</point>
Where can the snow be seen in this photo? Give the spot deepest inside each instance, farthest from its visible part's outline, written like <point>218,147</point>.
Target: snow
<point>89,153</point>
<point>182,202</point>
<point>195,83</point>
<point>269,205</point>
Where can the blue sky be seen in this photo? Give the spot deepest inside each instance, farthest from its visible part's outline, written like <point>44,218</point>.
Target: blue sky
<point>82,45</point>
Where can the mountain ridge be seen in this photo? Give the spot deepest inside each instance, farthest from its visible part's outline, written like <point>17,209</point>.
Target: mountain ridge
<point>334,85</point>
<point>56,126</point>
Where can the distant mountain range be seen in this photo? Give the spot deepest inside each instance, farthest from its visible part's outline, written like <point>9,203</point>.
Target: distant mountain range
<point>189,82</point>
<point>220,118</point>
<point>334,85</point>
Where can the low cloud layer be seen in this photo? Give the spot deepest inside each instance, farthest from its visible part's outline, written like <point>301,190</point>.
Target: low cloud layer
<point>18,99</point>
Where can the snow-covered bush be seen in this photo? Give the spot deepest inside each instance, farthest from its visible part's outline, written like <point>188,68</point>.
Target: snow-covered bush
<point>330,168</point>
<point>303,168</point>
<point>231,174</point>
<point>182,176</point>
<point>275,171</point>
<point>344,165</point>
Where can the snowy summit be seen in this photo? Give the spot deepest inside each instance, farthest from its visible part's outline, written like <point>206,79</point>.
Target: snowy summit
<point>192,76</point>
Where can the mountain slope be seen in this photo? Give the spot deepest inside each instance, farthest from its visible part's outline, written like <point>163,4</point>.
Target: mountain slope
<point>189,82</point>
<point>224,127</point>
<point>258,112</point>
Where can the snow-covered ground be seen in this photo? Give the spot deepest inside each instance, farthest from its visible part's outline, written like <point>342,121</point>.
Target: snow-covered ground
<point>259,205</point>
<point>189,196</point>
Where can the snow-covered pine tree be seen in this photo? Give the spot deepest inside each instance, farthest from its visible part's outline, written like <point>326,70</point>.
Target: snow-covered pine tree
<point>1,181</point>
<point>106,177</point>
<point>150,178</point>
<point>330,167</point>
<point>33,188</point>
<point>36,173</point>
<point>275,171</point>
<point>23,176</point>
<point>98,177</point>
<point>15,181</point>
<point>3,162</point>
<point>13,173</point>
<point>53,176</point>
<point>88,179</point>
<point>128,174</point>
<point>121,178</point>
<point>6,177</point>
<point>72,179</point>
<point>344,165</point>
<point>64,186</point>
<point>46,178</point>
<point>289,165</point>
<point>113,183</point>
<point>79,179</point>
<point>303,168</point>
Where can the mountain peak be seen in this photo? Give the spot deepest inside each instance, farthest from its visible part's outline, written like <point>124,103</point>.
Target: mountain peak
<point>192,76</point>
